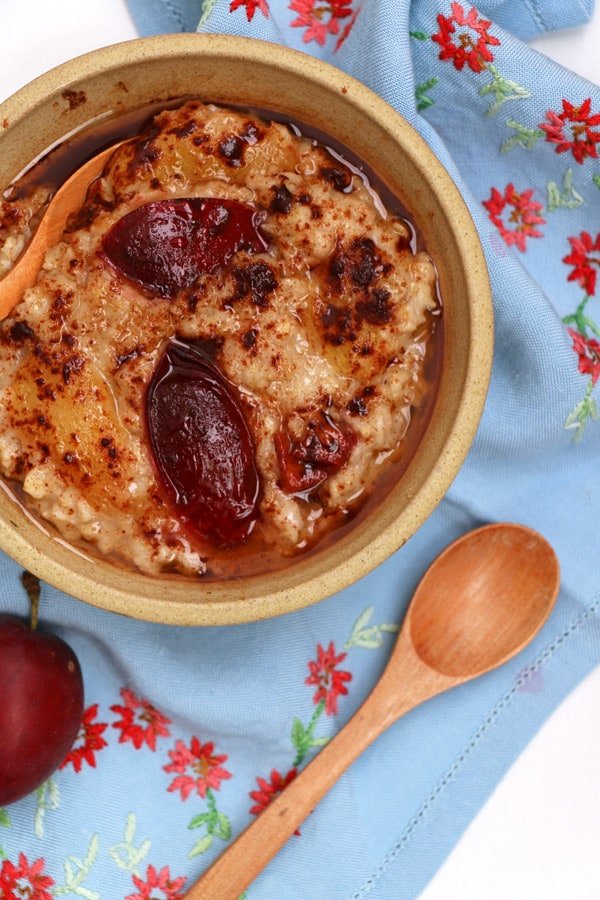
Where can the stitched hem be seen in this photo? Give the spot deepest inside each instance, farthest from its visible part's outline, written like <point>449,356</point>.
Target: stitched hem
<point>536,13</point>
<point>473,743</point>
<point>176,14</point>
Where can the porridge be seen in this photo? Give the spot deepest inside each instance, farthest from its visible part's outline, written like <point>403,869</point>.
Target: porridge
<point>220,357</point>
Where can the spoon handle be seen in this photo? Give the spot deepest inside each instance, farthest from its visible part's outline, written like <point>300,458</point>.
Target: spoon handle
<point>245,859</point>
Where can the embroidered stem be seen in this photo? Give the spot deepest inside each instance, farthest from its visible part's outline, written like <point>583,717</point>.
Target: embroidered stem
<point>125,854</point>
<point>578,318</point>
<point>303,737</point>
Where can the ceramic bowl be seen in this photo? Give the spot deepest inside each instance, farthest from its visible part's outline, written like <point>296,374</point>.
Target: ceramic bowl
<point>263,76</point>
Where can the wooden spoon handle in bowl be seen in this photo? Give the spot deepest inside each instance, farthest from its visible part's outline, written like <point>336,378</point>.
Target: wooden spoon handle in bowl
<point>245,859</point>
<point>67,200</point>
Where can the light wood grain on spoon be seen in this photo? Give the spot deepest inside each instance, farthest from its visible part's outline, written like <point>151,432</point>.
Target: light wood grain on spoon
<point>68,199</point>
<point>479,604</point>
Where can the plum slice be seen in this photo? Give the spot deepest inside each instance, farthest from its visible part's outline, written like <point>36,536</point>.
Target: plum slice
<point>322,451</point>
<point>165,245</point>
<point>202,445</point>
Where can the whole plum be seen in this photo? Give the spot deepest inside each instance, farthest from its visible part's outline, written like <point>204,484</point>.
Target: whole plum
<point>41,706</point>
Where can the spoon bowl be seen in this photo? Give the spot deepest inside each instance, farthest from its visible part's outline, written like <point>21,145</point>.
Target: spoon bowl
<point>481,602</point>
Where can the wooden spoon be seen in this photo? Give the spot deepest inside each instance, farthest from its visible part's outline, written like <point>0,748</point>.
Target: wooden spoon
<point>67,200</point>
<point>481,601</point>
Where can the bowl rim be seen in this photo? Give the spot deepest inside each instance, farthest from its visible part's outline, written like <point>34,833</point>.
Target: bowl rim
<point>245,606</point>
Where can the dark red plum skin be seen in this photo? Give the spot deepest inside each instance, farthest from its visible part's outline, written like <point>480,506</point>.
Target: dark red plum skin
<point>41,706</point>
<point>164,246</point>
<point>202,447</point>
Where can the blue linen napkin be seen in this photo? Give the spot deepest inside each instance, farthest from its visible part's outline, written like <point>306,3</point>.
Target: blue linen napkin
<point>188,732</point>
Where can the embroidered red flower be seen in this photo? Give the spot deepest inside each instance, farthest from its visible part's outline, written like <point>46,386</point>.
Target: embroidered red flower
<point>250,6</point>
<point>515,214</point>
<point>25,880</point>
<point>90,738</point>
<point>347,29</point>
<point>470,46</point>
<point>140,721</point>
<point>330,681</point>
<point>580,257</point>
<point>588,351</point>
<point>319,17</point>
<point>572,129</point>
<point>268,790</point>
<point>205,769</point>
<point>171,888</point>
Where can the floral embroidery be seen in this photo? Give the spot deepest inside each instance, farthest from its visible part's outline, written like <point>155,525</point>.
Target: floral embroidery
<point>523,214</point>
<point>319,18</point>
<point>502,90</point>
<point>90,736</point>
<point>207,771</point>
<point>126,854</point>
<point>170,888</point>
<point>588,352</point>
<point>207,774</point>
<point>567,198</point>
<point>5,823</point>
<point>524,137</point>
<point>77,871</point>
<point>139,727</point>
<point>585,265</point>
<point>470,46</point>
<point>250,6</point>
<point>421,93</point>
<point>330,683</point>
<point>47,799</point>
<point>572,130</point>
<point>25,880</point>
<point>347,29</point>
<point>329,680</point>
<point>587,348</point>
<point>269,790</point>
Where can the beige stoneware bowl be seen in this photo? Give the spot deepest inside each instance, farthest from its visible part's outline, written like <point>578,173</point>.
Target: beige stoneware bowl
<point>256,74</point>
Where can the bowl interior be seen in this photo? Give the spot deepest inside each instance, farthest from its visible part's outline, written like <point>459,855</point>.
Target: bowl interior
<point>255,74</point>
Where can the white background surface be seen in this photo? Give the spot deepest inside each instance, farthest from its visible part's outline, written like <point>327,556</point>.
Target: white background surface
<point>538,836</point>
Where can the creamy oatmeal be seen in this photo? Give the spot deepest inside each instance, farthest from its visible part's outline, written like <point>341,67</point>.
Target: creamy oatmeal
<point>222,351</point>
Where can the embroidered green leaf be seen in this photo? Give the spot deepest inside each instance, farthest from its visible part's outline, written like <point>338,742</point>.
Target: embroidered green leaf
<point>390,627</point>
<point>524,137</point>
<point>580,319</point>
<point>303,736</point>
<point>47,800</point>
<point>370,637</point>
<point>207,8</point>
<point>125,854</point>
<point>201,846</point>
<point>363,620</point>
<point>568,198</point>
<point>5,822</point>
<point>319,742</point>
<point>299,738</point>
<point>583,412</point>
<point>596,179</point>
<point>200,820</point>
<point>502,90</point>
<point>423,101</point>
<point>76,872</point>
<point>223,829</point>
<point>419,36</point>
